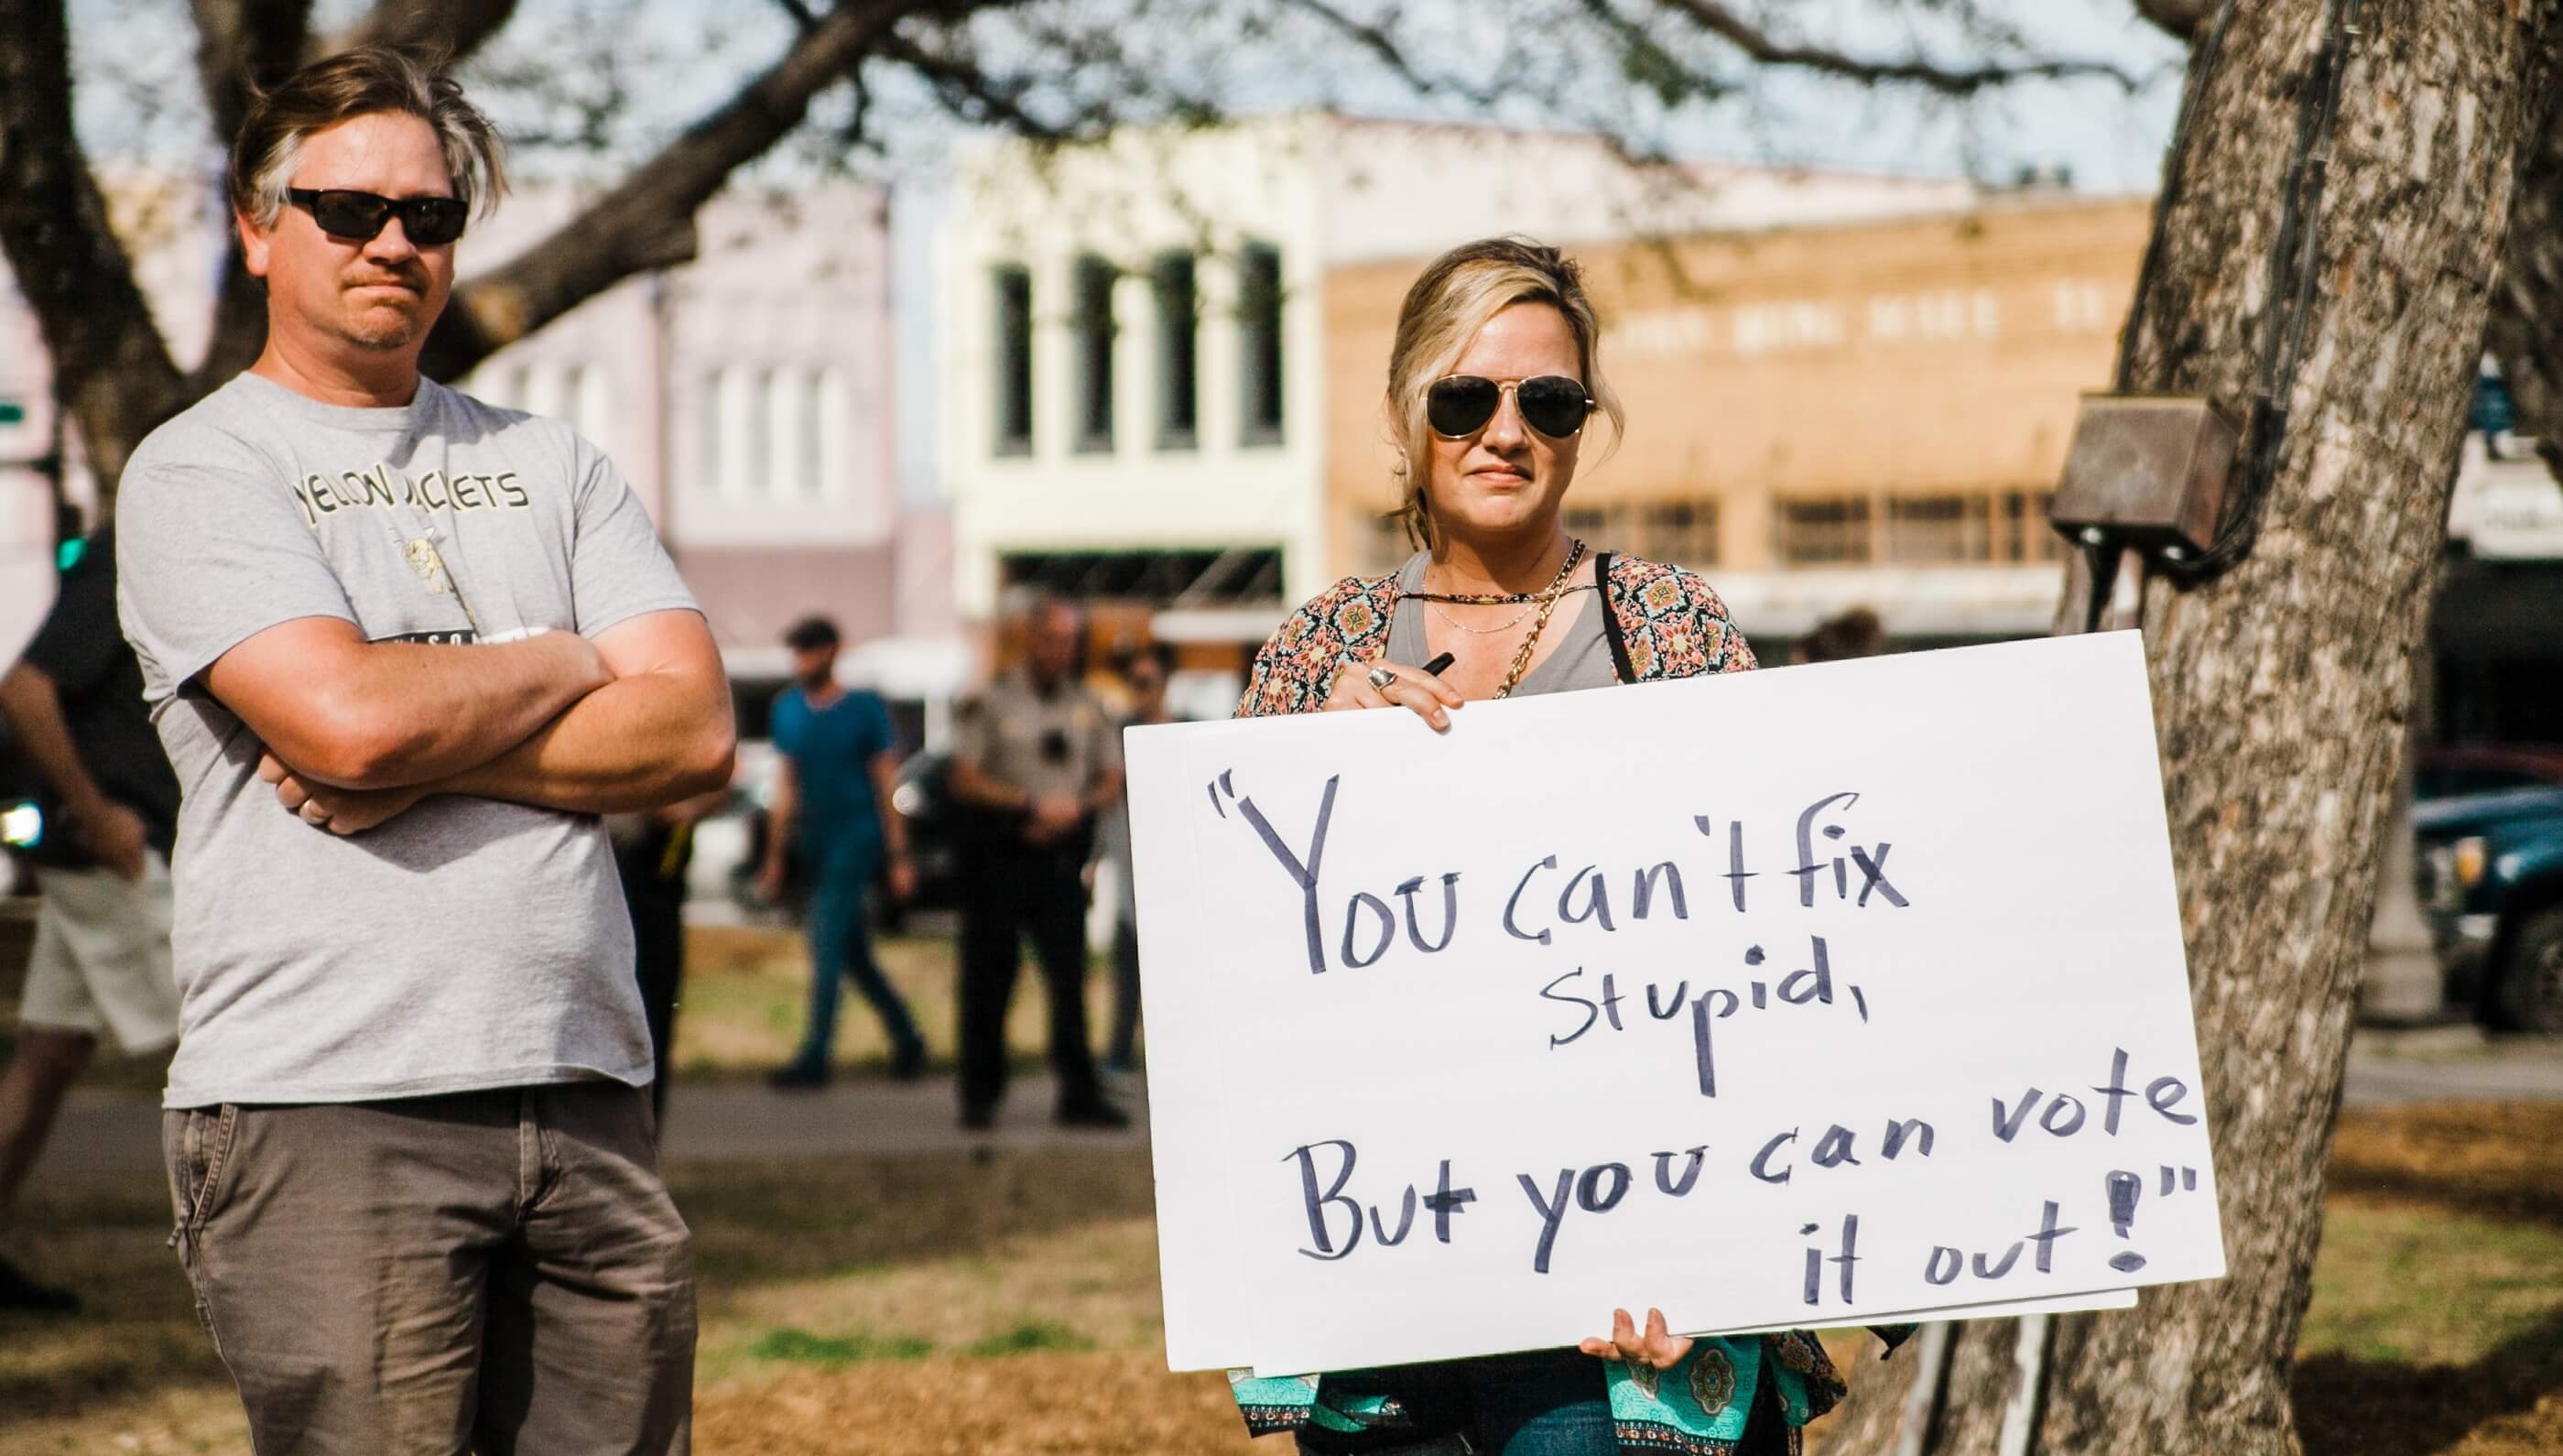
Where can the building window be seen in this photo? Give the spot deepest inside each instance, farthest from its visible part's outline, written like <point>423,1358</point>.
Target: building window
<point>2030,536</point>
<point>1975,527</point>
<point>708,432</point>
<point>593,406</point>
<point>1603,525</point>
<point>737,432</point>
<point>1014,296</point>
<point>785,458</point>
<point>1938,530</point>
<point>538,390</point>
<point>1094,279</point>
<point>824,424</point>
<point>1381,545</point>
<point>1178,336</point>
<point>1829,532</point>
<point>1259,336</point>
<point>1178,577</point>
<point>1681,533</point>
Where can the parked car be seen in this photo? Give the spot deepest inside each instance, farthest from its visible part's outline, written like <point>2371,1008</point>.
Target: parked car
<point>923,798</point>
<point>2439,773</point>
<point>2491,855</point>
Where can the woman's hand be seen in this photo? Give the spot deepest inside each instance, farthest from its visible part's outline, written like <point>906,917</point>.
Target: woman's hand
<point>1658,1348</point>
<point>1413,688</point>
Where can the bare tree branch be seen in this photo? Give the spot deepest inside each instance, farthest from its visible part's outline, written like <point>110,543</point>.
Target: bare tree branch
<point>1383,48</point>
<point>648,222</point>
<point>112,368</point>
<point>243,46</point>
<point>1763,48</point>
<point>1646,62</point>
<point>457,28</point>
<point>969,92</point>
<point>801,14</point>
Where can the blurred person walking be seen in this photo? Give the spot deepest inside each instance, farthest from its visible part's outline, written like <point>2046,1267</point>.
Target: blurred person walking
<point>1036,760</point>
<point>833,822</point>
<point>403,650</point>
<point>1145,672</point>
<point>100,962</point>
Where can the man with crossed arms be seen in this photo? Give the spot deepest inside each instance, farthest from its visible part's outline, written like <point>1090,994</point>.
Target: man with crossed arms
<point>404,648</point>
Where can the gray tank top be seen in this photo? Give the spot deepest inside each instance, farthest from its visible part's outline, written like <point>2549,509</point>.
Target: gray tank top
<point>1582,659</point>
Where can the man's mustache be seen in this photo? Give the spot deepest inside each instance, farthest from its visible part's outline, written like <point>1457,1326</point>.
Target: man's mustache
<point>415,280</point>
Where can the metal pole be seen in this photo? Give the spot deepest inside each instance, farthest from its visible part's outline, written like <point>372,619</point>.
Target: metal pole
<point>2020,1416</point>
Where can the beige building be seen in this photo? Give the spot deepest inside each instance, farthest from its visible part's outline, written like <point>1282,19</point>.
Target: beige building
<point>1140,397</point>
<point>1870,413</point>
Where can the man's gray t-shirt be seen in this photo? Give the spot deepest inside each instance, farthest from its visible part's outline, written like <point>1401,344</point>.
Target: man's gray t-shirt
<point>468,943</point>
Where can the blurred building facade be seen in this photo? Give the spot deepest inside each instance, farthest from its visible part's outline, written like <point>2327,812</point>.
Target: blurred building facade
<point>2495,665</point>
<point>1145,393</point>
<point>1870,413</point>
<point>747,397</point>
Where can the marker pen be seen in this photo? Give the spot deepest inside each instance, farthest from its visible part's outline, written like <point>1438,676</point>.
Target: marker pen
<point>1441,663</point>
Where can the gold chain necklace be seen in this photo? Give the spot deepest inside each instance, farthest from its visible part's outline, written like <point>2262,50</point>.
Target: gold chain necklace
<point>1507,625</point>
<point>1548,603</point>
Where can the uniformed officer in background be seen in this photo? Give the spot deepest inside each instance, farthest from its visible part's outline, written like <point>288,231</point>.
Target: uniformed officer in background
<point>1036,759</point>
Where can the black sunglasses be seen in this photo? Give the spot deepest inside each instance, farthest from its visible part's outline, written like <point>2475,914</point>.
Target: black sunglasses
<point>357,217</point>
<point>1552,404</point>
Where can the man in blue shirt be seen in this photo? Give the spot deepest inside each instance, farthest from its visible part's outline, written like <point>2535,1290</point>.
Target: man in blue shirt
<point>832,816</point>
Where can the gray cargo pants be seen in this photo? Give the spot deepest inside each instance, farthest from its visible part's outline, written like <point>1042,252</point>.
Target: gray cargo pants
<point>495,1271</point>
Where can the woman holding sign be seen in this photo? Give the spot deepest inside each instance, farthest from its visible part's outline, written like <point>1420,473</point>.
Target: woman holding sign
<point>1492,379</point>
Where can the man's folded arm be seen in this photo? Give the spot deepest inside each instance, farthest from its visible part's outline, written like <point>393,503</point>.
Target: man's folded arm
<point>660,731</point>
<point>394,714</point>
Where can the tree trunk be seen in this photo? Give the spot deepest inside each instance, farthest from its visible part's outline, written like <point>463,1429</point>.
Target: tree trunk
<point>113,374</point>
<point>2527,330</point>
<point>2281,688</point>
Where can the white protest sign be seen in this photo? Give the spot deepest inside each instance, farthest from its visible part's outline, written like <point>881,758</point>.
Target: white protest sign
<point>1791,998</point>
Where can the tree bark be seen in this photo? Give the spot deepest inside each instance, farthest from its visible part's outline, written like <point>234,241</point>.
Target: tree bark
<point>112,371</point>
<point>2281,688</point>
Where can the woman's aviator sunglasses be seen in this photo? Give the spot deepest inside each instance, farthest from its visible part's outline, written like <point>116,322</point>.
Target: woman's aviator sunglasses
<point>357,217</point>
<point>1462,405</point>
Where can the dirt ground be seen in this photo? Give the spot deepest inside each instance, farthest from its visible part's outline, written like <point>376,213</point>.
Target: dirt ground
<point>1007,1302</point>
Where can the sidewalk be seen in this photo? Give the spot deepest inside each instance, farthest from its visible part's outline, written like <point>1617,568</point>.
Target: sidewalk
<point>108,1133</point>
<point>2452,1064</point>
<point>105,1131</point>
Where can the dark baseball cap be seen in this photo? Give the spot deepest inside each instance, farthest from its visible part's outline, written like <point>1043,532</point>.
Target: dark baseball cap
<point>810,633</point>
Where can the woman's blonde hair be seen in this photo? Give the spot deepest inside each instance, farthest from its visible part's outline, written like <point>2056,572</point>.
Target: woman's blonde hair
<point>1454,298</point>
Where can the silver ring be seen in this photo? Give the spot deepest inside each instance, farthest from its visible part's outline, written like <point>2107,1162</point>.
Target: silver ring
<point>1381,679</point>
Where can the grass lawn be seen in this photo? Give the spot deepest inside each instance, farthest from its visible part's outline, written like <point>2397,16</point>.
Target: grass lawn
<point>1007,1302</point>
<point>748,991</point>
